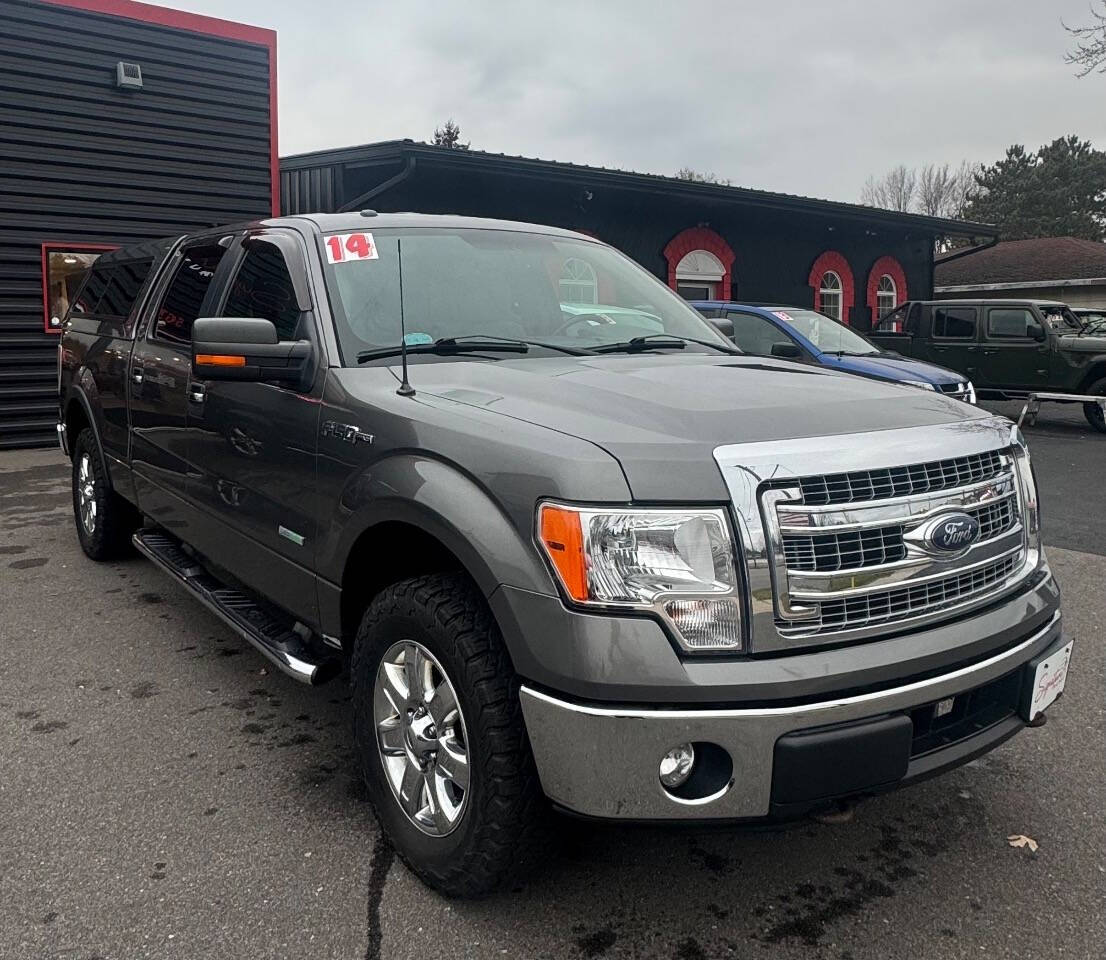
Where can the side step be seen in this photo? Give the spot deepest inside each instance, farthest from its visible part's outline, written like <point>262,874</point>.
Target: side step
<point>277,640</point>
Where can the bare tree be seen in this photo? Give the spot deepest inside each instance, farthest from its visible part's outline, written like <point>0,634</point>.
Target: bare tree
<point>694,176</point>
<point>893,191</point>
<point>449,135</point>
<point>943,190</point>
<point>1089,53</point>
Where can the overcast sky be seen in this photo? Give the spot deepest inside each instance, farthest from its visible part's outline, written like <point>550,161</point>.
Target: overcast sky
<point>802,96</point>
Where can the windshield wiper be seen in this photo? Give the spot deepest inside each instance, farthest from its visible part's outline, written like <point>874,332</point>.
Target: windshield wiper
<point>660,341</point>
<point>477,343</point>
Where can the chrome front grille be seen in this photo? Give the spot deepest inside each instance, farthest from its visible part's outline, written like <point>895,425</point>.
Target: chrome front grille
<point>844,551</point>
<point>958,391</point>
<point>856,549</point>
<point>863,485</point>
<point>851,553</point>
<point>905,602</point>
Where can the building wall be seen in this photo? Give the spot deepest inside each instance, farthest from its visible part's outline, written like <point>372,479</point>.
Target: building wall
<point>82,161</point>
<point>774,251</point>
<point>1089,296</point>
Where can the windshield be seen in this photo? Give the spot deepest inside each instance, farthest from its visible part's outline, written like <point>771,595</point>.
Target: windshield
<point>496,283</point>
<point>1060,318</point>
<point>827,335</point>
<point>1094,321</point>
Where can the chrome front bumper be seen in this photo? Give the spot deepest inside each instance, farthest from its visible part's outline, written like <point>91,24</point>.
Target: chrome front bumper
<point>603,761</point>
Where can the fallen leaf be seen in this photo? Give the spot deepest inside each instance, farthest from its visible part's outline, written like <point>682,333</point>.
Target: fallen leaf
<point>1018,840</point>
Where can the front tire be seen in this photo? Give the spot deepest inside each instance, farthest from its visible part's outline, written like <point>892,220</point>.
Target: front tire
<point>440,734</point>
<point>1093,411</point>
<point>105,521</point>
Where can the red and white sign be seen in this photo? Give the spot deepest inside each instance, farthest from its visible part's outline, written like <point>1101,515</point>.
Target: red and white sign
<point>1049,681</point>
<point>348,247</point>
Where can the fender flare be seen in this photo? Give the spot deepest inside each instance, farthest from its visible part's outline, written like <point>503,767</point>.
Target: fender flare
<point>1096,370</point>
<point>446,503</point>
<point>78,394</point>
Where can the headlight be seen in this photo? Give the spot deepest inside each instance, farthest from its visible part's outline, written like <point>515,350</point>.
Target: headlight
<point>1027,482</point>
<point>678,564</point>
<point>921,385</point>
<point>970,398</point>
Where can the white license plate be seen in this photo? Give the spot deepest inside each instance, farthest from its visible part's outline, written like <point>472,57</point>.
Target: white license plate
<point>1048,682</point>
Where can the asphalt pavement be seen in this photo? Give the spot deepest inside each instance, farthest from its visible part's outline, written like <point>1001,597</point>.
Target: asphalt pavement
<point>164,794</point>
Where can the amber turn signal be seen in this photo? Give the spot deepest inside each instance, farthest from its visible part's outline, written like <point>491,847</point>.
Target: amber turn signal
<point>220,360</point>
<point>563,539</point>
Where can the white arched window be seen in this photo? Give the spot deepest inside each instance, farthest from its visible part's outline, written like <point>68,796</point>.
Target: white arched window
<point>886,295</point>
<point>578,282</point>
<point>699,275</point>
<point>829,295</point>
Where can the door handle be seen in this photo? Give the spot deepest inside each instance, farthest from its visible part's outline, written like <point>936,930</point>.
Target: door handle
<point>136,374</point>
<point>990,353</point>
<point>196,392</point>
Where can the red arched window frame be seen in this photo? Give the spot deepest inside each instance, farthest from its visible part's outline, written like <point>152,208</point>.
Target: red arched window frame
<point>890,266</point>
<point>832,260</point>
<point>700,238</point>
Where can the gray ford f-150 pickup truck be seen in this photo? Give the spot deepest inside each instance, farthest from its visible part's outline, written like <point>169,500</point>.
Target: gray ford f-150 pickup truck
<point>573,547</point>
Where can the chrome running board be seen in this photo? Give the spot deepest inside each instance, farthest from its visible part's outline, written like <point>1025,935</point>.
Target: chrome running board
<point>279,641</point>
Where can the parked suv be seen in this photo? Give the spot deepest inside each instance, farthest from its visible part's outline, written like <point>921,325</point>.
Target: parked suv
<point>1008,348</point>
<point>586,556</point>
<point>811,337</point>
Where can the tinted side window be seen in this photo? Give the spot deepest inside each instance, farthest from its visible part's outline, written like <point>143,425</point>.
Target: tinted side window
<point>263,288</point>
<point>93,290</point>
<point>121,293</point>
<point>954,323</point>
<point>756,335</point>
<point>185,295</point>
<point>915,317</point>
<point>1010,323</point>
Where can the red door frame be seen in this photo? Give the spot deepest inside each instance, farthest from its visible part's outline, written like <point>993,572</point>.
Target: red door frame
<point>212,27</point>
<point>75,246</point>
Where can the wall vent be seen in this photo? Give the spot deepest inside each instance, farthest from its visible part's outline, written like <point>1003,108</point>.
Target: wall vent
<point>128,75</point>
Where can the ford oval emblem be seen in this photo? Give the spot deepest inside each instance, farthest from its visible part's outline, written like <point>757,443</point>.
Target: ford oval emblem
<point>953,533</point>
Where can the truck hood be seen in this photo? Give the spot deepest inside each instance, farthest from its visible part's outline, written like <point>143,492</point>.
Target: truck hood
<point>1083,343</point>
<point>885,367</point>
<point>661,416</point>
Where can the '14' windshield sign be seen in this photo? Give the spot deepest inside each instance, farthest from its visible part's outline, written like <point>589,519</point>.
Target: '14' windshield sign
<point>348,247</point>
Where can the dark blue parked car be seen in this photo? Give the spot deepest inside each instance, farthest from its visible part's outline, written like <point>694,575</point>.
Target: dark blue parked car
<point>796,333</point>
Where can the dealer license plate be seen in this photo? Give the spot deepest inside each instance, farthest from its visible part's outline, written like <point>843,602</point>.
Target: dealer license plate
<point>1049,680</point>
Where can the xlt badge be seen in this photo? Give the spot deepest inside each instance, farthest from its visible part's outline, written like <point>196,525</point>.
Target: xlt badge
<point>348,432</point>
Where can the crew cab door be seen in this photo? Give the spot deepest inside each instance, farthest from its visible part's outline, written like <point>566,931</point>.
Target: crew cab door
<point>159,379</point>
<point>954,339</point>
<point>1016,353</point>
<point>255,442</point>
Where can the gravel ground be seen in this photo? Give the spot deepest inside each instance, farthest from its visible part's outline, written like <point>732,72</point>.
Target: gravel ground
<point>163,794</point>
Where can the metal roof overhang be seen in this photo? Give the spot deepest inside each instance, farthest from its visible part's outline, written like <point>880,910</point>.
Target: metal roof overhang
<point>424,155</point>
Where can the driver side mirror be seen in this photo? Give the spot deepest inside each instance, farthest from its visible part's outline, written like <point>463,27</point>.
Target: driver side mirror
<point>246,348</point>
<point>786,350</point>
<point>723,325</point>
<point>1037,332</point>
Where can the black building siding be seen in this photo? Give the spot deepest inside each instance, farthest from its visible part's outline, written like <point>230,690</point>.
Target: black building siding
<point>83,161</point>
<point>775,247</point>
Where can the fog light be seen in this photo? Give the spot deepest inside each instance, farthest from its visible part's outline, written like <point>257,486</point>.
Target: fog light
<point>676,765</point>
<point>707,624</point>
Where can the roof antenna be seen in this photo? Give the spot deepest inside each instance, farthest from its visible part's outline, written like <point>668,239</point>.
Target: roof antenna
<point>405,388</point>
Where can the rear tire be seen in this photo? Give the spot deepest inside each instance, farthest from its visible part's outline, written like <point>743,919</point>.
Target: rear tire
<point>497,819</point>
<point>105,521</point>
<point>1093,411</point>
